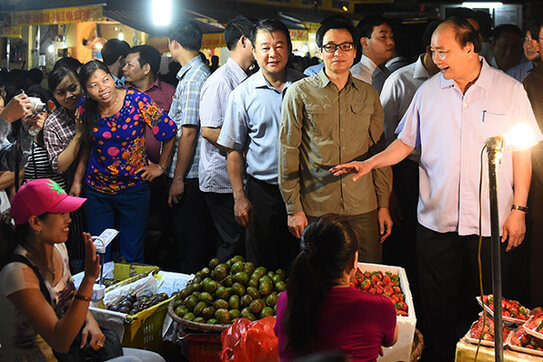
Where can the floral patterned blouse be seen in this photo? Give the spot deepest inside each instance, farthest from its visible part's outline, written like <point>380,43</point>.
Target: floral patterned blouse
<point>118,143</point>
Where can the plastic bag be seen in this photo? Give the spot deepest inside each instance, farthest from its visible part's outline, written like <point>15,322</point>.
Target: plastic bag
<point>246,341</point>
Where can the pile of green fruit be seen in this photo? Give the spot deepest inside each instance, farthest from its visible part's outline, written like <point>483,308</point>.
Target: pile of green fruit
<point>222,293</point>
<point>132,304</point>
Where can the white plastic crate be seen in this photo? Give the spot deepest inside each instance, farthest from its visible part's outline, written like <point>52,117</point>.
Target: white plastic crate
<point>401,351</point>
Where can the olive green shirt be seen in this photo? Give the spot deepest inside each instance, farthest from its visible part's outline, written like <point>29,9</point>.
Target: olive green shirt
<point>322,127</point>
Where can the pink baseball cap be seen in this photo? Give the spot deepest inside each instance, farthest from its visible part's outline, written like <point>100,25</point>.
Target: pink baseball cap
<point>39,196</point>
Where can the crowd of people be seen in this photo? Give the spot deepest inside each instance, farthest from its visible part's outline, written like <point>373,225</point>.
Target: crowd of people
<point>252,156</point>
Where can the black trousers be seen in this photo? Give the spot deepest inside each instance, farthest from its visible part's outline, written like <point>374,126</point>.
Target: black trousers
<point>160,248</point>
<point>230,234</point>
<point>448,285</point>
<point>193,229</point>
<point>400,247</point>
<point>269,242</point>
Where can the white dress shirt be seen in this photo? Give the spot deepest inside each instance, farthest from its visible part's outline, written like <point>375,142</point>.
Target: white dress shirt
<point>451,129</point>
<point>364,69</point>
<point>397,93</point>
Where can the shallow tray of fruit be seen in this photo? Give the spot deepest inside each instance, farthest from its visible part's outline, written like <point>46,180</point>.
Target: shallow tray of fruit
<point>512,310</point>
<point>223,292</point>
<point>132,304</point>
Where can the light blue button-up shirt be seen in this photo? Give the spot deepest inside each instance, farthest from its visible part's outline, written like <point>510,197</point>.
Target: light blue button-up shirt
<point>185,108</point>
<point>251,123</point>
<point>212,172</point>
<point>521,71</point>
<point>451,129</point>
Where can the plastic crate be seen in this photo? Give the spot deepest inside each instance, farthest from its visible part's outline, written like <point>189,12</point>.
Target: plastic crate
<point>202,347</point>
<point>143,330</point>
<point>128,273</point>
<point>401,351</point>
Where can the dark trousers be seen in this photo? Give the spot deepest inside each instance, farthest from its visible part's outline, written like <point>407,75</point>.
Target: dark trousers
<point>193,229</point>
<point>160,248</point>
<point>269,241</point>
<point>400,247</point>
<point>369,247</point>
<point>448,285</point>
<point>230,234</point>
<point>127,212</point>
<point>534,239</point>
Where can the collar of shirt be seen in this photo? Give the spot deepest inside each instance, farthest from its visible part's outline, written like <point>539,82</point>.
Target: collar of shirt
<point>237,70</point>
<point>368,63</point>
<point>323,79</point>
<point>420,72</point>
<point>484,80</point>
<point>192,63</point>
<point>155,84</point>
<point>261,82</point>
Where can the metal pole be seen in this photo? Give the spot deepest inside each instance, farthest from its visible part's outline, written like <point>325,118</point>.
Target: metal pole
<point>494,156</point>
<point>8,52</point>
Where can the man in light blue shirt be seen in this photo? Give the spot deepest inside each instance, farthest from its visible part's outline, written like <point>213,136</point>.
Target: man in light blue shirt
<point>195,238</point>
<point>250,133</point>
<point>213,174</point>
<point>450,117</point>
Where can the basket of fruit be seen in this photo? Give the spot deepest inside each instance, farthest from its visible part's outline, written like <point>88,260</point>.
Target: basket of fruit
<point>223,292</point>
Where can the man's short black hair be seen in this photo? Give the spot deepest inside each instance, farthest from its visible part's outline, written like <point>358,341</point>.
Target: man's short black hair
<point>365,26</point>
<point>534,26</point>
<point>147,55</point>
<point>239,26</point>
<point>188,34</point>
<point>35,75</point>
<point>335,22</point>
<point>113,49</point>
<point>270,25</point>
<point>465,33</point>
<point>505,29</point>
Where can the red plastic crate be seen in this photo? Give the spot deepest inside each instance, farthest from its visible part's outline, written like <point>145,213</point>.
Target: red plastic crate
<point>202,347</point>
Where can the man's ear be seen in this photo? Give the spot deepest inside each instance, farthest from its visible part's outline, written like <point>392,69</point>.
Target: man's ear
<point>146,69</point>
<point>363,42</point>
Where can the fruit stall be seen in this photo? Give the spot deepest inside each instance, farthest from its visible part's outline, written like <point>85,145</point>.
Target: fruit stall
<point>522,333</point>
<point>219,294</point>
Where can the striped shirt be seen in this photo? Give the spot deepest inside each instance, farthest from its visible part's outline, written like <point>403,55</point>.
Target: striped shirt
<point>39,166</point>
<point>185,109</point>
<point>212,172</point>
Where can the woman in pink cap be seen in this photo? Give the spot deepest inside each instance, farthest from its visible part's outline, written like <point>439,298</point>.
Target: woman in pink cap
<point>41,308</point>
<point>41,213</point>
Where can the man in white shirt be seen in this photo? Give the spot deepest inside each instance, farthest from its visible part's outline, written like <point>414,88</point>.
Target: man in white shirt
<point>450,117</point>
<point>213,173</point>
<point>377,44</point>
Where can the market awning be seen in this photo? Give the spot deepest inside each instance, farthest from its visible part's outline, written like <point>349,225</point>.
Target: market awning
<point>25,5</point>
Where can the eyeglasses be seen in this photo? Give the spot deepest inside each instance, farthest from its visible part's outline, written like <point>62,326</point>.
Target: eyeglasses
<point>331,47</point>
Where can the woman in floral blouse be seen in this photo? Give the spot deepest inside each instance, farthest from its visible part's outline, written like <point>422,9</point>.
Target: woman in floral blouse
<point>118,171</point>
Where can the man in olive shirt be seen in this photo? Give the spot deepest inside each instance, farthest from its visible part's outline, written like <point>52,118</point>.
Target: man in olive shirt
<point>326,118</point>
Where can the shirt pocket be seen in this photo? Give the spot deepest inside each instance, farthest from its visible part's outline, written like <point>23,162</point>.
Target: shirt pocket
<point>359,122</point>
<point>494,124</point>
<point>321,121</point>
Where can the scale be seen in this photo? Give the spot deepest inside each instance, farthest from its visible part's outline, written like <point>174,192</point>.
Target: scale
<point>101,243</point>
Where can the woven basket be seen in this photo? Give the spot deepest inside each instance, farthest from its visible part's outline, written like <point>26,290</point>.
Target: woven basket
<point>202,327</point>
<point>418,346</point>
